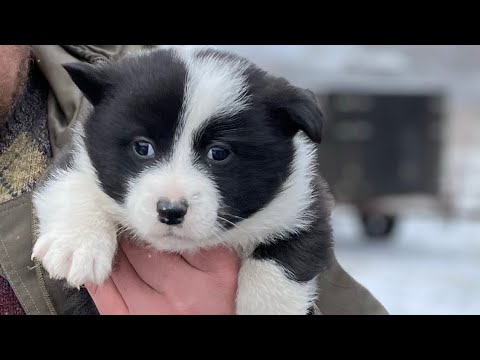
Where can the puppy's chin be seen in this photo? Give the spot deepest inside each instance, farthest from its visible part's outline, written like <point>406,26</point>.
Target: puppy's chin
<point>176,242</point>
<point>173,243</point>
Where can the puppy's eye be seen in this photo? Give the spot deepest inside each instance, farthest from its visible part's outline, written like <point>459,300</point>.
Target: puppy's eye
<point>144,149</point>
<point>218,153</point>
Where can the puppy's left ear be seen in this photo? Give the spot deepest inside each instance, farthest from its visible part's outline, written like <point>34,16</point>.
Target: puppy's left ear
<point>303,110</point>
<point>91,80</point>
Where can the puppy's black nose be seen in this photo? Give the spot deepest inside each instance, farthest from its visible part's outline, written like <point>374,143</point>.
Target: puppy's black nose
<point>171,213</point>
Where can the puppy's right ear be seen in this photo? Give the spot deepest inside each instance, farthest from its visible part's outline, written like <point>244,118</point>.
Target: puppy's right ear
<point>92,81</point>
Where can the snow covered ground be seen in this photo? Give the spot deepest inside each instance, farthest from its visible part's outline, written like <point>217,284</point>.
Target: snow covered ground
<point>430,266</point>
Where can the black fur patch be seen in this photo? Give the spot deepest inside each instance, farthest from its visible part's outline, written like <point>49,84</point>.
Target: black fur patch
<point>257,167</point>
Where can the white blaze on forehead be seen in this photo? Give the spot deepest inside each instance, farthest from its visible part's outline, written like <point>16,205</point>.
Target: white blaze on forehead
<point>215,87</point>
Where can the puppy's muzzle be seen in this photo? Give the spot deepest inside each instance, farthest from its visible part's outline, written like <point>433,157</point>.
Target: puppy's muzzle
<point>171,213</point>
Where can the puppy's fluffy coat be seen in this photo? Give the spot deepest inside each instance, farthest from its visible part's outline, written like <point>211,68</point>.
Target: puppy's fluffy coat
<point>191,148</point>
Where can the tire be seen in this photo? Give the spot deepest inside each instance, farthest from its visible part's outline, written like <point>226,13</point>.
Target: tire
<point>378,226</point>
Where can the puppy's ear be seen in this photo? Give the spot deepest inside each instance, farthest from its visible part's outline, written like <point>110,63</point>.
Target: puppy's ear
<point>92,81</point>
<point>302,110</point>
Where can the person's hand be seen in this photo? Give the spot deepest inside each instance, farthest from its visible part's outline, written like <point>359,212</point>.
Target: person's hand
<point>148,282</point>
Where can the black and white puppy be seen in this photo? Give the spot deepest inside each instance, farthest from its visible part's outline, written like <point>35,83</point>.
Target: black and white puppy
<point>187,149</point>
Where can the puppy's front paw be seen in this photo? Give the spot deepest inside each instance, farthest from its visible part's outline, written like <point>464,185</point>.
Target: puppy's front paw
<point>86,258</point>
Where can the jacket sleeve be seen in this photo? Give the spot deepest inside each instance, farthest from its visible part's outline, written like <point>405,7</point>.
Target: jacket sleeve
<point>341,294</point>
<point>66,103</point>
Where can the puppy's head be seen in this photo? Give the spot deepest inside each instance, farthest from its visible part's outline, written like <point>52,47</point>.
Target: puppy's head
<point>195,145</point>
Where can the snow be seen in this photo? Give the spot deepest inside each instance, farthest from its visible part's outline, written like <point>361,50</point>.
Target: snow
<point>431,265</point>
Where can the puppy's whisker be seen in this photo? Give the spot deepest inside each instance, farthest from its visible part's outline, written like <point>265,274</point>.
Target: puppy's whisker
<point>231,208</point>
<point>248,234</point>
<point>234,216</point>
<point>238,226</point>
<point>215,232</point>
<point>229,222</point>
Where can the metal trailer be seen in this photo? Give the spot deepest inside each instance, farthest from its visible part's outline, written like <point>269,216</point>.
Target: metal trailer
<point>382,150</point>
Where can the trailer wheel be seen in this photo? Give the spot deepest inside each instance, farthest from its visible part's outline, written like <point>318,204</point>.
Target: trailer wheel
<point>378,226</point>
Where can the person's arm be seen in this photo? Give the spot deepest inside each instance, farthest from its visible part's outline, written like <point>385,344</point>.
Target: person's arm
<point>149,282</point>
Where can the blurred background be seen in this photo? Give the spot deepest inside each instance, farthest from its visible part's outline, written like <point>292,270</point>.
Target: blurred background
<point>402,156</point>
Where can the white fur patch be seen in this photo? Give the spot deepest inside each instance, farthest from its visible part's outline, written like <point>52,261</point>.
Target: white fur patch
<point>215,87</point>
<point>264,289</point>
<point>77,228</point>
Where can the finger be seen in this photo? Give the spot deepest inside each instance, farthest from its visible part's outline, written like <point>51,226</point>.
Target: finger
<point>129,284</point>
<point>157,269</point>
<point>107,298</point>
<point>214,260</point>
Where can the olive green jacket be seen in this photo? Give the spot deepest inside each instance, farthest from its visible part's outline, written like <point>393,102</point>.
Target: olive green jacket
<point>38,294</point>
